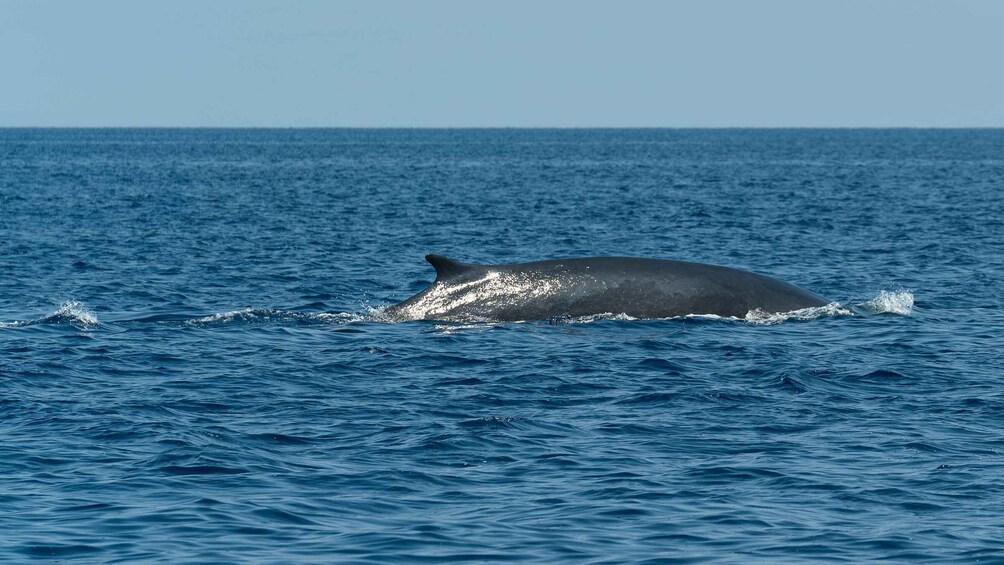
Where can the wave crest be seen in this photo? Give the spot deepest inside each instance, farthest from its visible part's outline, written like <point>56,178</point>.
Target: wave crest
<point>263,316</point>
<point>891,302</point>
<point>759,317</point>
<point>69,312</point>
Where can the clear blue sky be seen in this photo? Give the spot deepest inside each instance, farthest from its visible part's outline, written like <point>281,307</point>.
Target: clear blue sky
<point>710,63</point>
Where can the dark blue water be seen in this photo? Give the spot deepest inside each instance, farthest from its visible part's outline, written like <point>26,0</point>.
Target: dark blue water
<point>193,365</point>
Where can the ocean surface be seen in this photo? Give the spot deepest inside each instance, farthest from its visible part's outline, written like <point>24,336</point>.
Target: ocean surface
<point>194,367</point>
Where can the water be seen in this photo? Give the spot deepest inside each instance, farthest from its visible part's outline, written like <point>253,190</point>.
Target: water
<point>193,365</point>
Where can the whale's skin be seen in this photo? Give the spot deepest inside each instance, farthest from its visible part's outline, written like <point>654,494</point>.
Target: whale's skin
<point>589,286</point>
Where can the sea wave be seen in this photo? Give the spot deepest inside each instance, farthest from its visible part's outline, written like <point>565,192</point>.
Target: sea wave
<point>69,312</point>
<point>74,312</point>
<point>759,317</point>
<point>890,302</point>
<point>265,316</point>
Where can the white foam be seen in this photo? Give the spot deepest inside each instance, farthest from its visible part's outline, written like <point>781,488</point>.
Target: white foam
<point>74,311</point>
<point>224,316</point>
<point>269,315</point>
<point>71,311</point>
<point>378,314</point>
<point>759,317</point>
<point>342,317</point>
<point>606,316</point>
<point>455,328</point>
<point>891,302</point>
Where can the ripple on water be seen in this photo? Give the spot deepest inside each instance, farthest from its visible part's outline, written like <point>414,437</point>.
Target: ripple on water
<point>148,414</point>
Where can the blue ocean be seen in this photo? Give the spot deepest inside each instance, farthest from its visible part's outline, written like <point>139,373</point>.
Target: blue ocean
<point>194,367</point>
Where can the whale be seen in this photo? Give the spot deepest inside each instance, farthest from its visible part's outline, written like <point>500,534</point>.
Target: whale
<point>589,286</point>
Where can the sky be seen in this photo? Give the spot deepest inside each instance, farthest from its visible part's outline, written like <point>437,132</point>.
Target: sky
<point>503,63</point>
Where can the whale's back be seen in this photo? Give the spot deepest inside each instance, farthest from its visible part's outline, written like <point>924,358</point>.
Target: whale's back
<point>637,287</point>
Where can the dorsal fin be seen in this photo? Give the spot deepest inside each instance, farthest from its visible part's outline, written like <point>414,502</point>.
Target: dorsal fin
<point>447,268</point>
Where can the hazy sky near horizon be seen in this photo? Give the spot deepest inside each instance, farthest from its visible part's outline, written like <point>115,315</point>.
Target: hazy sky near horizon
<point>390,63</point>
